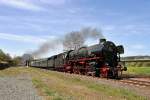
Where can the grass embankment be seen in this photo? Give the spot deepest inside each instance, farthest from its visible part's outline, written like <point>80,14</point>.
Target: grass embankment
<point>138,71</point>
<point>59,86</point>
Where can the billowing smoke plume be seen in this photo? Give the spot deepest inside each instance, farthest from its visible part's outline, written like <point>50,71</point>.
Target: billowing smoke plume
<point>46,47</point>
<point>76,39</point>
<point>91,33</point>
<point>72,40</point>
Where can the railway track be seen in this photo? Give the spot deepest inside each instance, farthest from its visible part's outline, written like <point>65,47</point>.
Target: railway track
<point>136,82</point>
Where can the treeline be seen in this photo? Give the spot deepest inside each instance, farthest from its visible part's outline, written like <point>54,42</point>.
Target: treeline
<point>137,64</point>
<point>6,58</point>
<point>135,57</point>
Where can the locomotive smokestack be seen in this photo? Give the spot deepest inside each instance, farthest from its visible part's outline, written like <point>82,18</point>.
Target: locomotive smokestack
<point>102,40</point>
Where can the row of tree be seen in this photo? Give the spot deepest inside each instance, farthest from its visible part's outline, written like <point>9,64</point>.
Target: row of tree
<point>5,57</point>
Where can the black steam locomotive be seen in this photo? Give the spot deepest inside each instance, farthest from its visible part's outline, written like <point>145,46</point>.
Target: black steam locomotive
<point>100,60</point>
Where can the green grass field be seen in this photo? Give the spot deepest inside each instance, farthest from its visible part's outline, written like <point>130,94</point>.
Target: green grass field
<point>138,71</point>
<point>59,86</point>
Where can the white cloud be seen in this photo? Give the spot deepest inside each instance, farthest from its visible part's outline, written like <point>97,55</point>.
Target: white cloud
<point>126,29</point>
<point>53,2</point>
<point>25,38</point>
<point>111,13</point>
<point>108,27</point>
<point>138,46</point>
<point>34,5</point>
<point>22,4</point>
<point>135,49</point>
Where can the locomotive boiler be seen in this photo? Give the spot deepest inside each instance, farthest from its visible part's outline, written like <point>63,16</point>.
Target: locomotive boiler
<point>100,60</point>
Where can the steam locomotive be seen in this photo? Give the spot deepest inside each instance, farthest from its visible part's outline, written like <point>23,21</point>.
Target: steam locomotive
<point>100,60</point>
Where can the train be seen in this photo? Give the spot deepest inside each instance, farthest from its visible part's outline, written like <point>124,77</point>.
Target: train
<point>99,60</point>
<point>4,64</point>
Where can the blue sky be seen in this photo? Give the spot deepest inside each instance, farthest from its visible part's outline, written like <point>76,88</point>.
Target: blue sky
<point>25,24</point>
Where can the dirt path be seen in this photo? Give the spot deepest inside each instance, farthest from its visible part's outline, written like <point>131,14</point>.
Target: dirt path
<point>17,88</point>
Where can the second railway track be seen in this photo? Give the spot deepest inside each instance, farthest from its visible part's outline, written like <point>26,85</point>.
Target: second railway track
<point>136,82</point>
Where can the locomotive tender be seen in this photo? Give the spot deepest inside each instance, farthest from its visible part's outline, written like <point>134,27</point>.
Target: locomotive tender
<point>100,60</point>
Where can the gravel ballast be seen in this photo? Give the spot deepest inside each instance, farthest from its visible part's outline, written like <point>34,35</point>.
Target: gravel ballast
<point>17,88</point>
